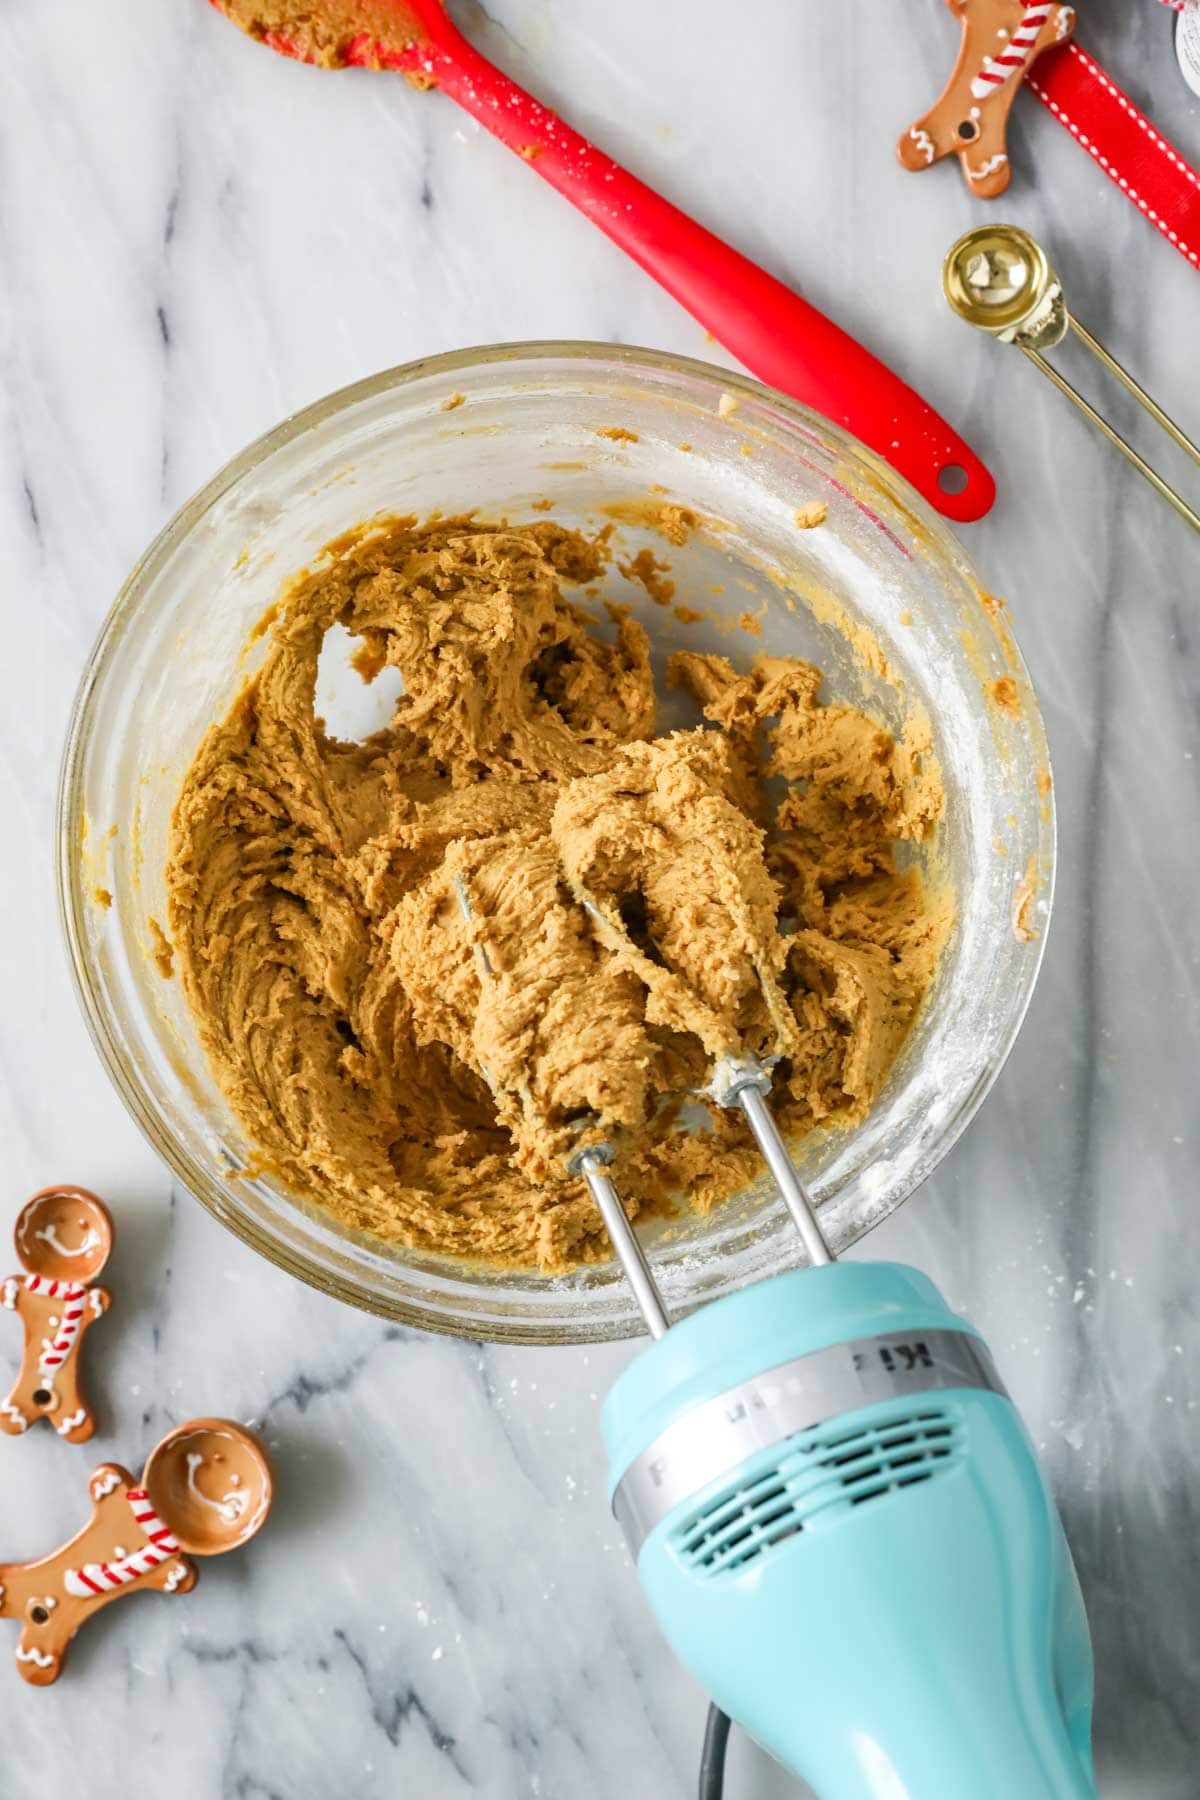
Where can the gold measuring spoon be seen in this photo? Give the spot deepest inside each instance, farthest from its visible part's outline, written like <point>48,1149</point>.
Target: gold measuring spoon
<point>1000,279</point>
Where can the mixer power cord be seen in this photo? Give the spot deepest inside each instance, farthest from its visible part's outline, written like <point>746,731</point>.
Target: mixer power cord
<point>712,1757</point>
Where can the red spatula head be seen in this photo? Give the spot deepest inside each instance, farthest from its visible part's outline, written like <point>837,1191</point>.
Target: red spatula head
<point>340,34</point>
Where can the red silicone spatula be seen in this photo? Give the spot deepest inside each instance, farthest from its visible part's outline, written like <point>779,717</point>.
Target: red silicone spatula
<point>778,336</point>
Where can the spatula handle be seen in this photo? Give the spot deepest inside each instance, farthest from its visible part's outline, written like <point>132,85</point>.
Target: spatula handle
<point>778,336</point>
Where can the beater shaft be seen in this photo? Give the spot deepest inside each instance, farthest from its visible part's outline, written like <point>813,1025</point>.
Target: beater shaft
<point>592,1164</point>
<point>749,1097</point>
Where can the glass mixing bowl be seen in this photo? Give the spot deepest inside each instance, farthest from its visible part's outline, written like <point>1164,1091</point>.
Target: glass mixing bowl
<point>879,595</point>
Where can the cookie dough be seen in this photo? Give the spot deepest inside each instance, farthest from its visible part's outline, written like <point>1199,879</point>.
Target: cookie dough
<point>424,964</point>
<point>329,32</point>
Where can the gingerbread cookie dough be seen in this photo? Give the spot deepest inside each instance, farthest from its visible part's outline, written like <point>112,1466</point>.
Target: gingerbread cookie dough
<point>422,964</point>
<point>329,32</point>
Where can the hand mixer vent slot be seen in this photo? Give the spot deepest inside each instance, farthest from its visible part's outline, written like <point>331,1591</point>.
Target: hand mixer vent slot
<point>818,1475</point>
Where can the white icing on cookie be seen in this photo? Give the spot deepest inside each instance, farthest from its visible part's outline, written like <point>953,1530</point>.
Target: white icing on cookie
<point>986,168</point>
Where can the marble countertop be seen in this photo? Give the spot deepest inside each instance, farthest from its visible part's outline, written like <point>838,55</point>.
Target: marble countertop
<point>196,238</point>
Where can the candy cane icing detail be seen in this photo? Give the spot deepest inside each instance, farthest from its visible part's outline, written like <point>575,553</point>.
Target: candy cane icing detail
<point>152,1526</point>
<point>160,1547</point>
<point>73,1295</point>
<point>997,70</point>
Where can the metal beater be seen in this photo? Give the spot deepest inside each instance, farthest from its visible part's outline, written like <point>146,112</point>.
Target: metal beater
<point>744,1082</point>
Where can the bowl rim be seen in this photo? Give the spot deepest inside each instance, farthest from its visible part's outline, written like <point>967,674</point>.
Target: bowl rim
<point>71,900</point>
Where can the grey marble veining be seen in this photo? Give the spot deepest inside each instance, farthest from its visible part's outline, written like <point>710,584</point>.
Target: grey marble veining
<point>196,238</point>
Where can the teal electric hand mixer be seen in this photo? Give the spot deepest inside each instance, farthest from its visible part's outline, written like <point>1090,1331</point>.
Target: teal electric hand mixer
<point>835,1509</point>
<point>840,1523</point>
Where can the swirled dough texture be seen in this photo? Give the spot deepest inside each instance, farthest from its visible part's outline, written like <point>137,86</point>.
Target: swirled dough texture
<point>422,965</point>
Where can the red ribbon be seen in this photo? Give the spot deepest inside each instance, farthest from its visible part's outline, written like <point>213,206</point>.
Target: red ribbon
<point>1123,141</point>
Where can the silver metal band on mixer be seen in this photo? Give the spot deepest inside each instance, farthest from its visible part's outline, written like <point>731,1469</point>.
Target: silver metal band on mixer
<point>715,1437</point>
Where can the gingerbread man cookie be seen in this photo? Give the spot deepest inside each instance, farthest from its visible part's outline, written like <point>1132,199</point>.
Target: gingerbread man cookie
<point>207,1488</point>
<point>64,1237</point>
<point>1000,39</point>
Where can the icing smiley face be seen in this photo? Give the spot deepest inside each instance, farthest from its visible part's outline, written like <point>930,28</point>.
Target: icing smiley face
<point>211,1483</point>
<point>64,1234</point>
